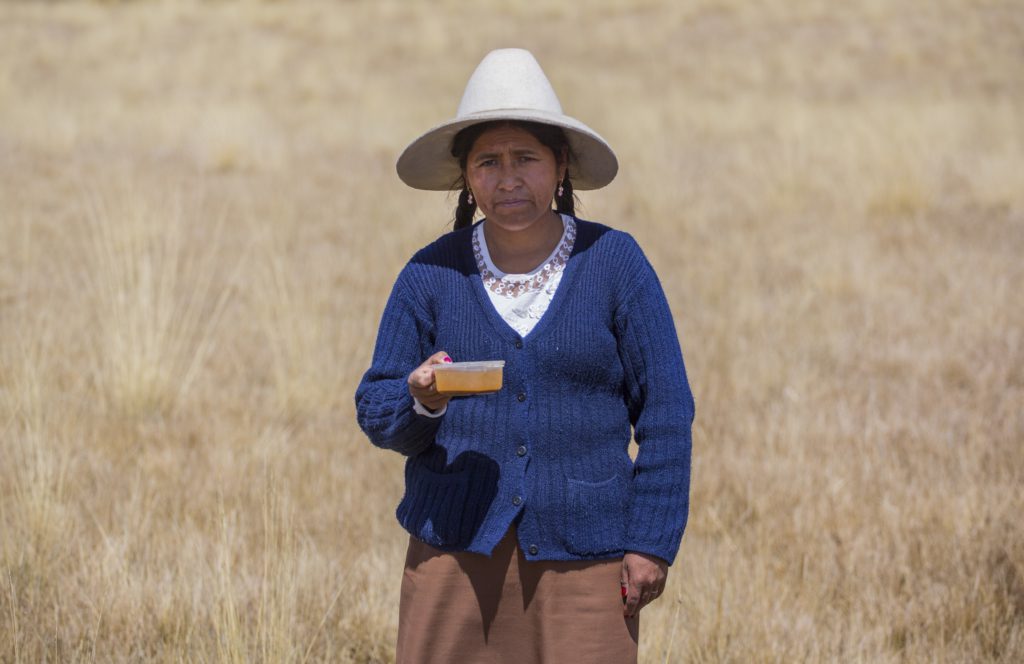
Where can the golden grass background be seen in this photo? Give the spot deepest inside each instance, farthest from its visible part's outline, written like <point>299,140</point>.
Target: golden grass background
<point>200,222</point>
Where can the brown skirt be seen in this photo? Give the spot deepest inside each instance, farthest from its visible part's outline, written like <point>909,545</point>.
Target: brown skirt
<point>468,608</point>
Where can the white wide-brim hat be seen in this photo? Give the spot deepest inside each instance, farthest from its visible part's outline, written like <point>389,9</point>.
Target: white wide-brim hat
<point>508,84</point>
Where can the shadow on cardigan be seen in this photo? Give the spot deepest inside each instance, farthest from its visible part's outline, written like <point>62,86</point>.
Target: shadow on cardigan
<point>437,507</point>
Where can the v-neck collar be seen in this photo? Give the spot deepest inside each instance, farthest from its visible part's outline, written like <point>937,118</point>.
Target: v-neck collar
<point>503,329</point>
<point>485,253</point>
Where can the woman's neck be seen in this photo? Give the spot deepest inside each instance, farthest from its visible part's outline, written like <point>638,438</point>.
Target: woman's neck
<point>519,252</point>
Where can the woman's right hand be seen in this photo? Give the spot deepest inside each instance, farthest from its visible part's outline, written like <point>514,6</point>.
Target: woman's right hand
<point>421,382</point>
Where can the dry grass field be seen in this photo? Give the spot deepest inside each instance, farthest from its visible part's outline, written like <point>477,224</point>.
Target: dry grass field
<point>200,222</point>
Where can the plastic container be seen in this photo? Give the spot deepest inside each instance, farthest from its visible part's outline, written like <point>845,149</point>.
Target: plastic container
<point>461,378</point>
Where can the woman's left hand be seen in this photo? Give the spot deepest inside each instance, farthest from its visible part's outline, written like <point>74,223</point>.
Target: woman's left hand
<point>643,577</point>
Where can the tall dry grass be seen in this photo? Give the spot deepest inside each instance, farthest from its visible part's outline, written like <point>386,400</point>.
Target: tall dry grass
<point>200,221</point>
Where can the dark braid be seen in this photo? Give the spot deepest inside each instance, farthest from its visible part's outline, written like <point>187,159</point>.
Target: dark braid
<point>465,212</point>
<point>566,203</point>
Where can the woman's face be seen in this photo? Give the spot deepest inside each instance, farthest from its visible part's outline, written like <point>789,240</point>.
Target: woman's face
<point>513,177</point>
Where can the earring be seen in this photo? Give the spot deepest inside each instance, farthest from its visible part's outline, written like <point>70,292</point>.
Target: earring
<point>469,197</point>
<point>561,190</point>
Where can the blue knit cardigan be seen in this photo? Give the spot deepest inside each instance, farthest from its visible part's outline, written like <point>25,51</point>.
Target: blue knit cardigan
<point>549,451</point>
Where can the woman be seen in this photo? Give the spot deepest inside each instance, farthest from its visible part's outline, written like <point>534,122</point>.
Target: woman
<point>533,536</point>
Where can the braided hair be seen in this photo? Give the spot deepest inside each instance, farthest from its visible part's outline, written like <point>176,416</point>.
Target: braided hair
<point>549,136</point>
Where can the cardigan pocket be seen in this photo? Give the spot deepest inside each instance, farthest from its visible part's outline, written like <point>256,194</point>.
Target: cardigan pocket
<point>595,518</point>
<point>433,505</point>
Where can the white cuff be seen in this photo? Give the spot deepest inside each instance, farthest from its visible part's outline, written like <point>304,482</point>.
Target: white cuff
<point>422,410</point>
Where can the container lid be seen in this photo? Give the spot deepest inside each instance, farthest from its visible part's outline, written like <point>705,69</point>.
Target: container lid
<point>485,365</point>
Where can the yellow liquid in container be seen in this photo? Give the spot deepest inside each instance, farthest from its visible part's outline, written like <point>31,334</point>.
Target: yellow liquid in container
<point>463,378</point>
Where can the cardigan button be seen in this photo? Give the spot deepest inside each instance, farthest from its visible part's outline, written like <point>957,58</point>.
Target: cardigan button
<point>521,396</point>
<point>533,550</point>
<point>517,501</point>
<point>519,343</point>
<point>521,450</point>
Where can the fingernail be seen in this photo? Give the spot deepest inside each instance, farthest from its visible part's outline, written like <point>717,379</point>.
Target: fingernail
<point>447,359</point>
<point>622,587</point>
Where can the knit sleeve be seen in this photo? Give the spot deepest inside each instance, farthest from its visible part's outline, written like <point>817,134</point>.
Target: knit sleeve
<point>661,411</point>
<point>384,407</point>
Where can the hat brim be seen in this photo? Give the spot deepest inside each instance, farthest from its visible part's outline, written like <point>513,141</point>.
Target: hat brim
<point>427,163</point>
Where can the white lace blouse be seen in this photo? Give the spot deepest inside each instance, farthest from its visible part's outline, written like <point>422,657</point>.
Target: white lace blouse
<point>522,299</point>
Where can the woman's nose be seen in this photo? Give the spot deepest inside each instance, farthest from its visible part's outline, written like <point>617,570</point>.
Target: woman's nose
<point>508,178</point>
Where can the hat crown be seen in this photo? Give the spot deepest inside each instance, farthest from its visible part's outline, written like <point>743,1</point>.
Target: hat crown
<point>508,78</point>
